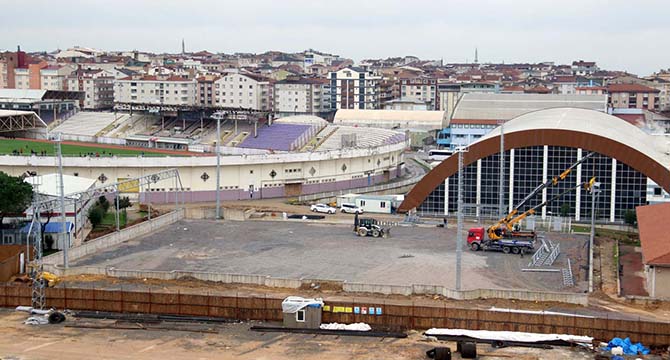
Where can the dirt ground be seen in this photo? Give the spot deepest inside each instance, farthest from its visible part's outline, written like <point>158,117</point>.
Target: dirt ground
<point>220,341</point>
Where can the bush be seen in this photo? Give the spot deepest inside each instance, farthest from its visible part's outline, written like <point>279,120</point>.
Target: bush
<point>104,204</point>
<point>49,242</point>
<point>95,215</point>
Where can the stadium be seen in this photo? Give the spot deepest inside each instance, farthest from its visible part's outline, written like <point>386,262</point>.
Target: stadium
<point>260,157</point>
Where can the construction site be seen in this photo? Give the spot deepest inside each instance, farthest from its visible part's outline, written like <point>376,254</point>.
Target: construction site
<point>299,277</point>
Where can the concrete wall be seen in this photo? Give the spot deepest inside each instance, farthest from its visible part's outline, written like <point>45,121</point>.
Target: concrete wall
<point>661,282</point>
<point>115,238</point>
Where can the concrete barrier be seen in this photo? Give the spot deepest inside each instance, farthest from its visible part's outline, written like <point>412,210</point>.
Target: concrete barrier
<point>351,287</point>
<point>116,238</point>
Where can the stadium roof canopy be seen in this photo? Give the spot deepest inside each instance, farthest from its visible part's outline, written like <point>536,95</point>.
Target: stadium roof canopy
<point>392,119</point>
<point>570,127</point>
<point>499,107</point>
<point>12,120</point>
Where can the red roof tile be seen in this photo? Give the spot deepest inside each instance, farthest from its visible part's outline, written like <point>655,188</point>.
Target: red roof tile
<point>652,224</point>
<point>614,88</point>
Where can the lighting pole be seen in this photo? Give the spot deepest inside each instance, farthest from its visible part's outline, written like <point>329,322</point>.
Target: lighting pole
<point>459,217</point>
<point>595,190</point>
<point>218,167</point>
<point>501,193</point>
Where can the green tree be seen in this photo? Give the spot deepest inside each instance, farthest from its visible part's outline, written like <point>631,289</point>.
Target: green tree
<point>565,210</point>
<point>95,215</point>
<point>124,202</point>
<point>15,195</point>
<point>104,203</point>
<point>630,217</point>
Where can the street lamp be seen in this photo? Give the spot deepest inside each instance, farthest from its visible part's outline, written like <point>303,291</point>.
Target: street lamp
<point>595,190</point>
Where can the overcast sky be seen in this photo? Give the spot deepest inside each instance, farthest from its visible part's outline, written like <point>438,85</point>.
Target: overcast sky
<point>632,35</point>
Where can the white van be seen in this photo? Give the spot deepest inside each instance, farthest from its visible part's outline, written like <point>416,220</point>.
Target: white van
<point>350,209</point>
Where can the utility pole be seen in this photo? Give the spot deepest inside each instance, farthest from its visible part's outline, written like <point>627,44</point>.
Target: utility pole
<point>459,224</point>
<point>595,190</point>
<point>61,192</point>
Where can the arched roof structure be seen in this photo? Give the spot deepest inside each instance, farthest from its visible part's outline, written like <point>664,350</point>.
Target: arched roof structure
<point>570,127</point>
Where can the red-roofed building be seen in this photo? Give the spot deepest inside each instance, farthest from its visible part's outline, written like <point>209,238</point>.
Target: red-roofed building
<point>633,96</point>
<point>591,90</point>
<point>652,225</point>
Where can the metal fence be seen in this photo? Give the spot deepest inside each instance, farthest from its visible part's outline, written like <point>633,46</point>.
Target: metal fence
<point>362,190</point>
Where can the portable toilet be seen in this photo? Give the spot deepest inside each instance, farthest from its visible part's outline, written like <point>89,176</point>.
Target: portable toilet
<point>301,313</point>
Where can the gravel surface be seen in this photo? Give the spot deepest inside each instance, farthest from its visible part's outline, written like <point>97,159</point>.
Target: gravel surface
<point>289,249</point>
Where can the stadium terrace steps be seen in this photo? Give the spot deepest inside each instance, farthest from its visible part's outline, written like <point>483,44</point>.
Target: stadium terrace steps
<point>279,136</point>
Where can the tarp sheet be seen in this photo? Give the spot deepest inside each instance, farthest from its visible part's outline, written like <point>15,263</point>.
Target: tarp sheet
<point>510,335</point>
<point>292,304</point>
<point>349,327</point>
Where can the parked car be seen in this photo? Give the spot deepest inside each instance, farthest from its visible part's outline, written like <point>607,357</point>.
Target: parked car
<point>323,208</point>
<point>351,209</point>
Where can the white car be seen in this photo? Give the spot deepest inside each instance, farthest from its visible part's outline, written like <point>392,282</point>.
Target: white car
<point>323,208</point>
<point>351,209</point>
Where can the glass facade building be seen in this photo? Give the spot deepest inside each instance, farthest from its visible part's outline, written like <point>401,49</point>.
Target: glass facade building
<point>622,187</point>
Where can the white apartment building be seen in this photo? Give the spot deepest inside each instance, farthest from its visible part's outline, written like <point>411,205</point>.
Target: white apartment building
<point>301,96</point>
<point>97,85</point>
<point>420,89</point>
<point>168,90</point>
<point>54,77</point>
<point>3,74</point>
<point>243,90</point>
<point>21,78</point>
<point>354,88</point>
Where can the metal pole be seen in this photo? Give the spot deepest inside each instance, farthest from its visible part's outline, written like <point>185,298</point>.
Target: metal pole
<point>61,191</point>
<point>176,195</point>
<point>459,226</point>
<point>118,200</point>
<point>218,165</point>
<point>501,196</point>
<point>149,200</point>
<point>593,233</point>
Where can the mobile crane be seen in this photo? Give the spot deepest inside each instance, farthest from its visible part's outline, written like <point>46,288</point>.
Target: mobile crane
<point>504,236</point>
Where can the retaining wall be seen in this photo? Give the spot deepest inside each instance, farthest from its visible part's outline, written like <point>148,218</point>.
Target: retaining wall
<point>115,238</point>
<point>397,314</point>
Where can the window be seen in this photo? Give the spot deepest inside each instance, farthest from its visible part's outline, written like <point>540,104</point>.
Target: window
<point>658,191</point>
<point>362,202</point>
<point>382,204</point>
<point>300,316</point>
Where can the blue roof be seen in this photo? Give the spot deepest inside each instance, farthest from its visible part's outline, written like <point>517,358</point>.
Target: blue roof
<point>52,227</point>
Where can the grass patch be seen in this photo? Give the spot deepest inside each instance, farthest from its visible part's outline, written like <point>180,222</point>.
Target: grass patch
<point>625,237</point>
<point>110,219</point>
<point>7,146</point>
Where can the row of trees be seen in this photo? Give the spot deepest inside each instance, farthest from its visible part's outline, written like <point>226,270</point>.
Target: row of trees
<point>97,212</point>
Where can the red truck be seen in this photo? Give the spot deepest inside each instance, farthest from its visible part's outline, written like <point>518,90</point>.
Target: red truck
<point>478,240</point>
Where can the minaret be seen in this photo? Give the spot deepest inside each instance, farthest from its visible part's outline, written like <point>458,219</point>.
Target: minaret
<point>183,47</point>
<point>476,60</point>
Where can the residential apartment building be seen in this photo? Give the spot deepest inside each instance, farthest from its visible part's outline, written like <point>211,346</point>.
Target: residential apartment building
<point>55,77</point>
<point>420,89</point>
<point>582,67</point>
<point>354,88</point>
<point>243,90</point>
<point>167,90</point>
<point>301,96</point>
<point>205,90</point>
<point>448,95</point>
<point>633,96</point>
<point>97,85</point>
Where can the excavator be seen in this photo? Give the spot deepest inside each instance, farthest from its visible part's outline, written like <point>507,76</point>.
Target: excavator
<point>504,234</point>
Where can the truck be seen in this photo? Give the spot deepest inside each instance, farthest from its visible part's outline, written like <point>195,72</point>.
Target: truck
<point>505,235</point>
<point>478,240</point>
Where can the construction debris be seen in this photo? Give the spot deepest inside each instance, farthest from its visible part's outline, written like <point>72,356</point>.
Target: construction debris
<point>509,337</point>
